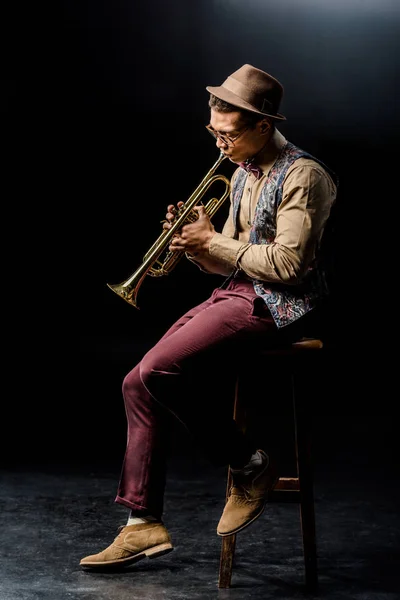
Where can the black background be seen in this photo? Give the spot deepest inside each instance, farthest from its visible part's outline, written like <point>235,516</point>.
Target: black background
<point>105,107</point>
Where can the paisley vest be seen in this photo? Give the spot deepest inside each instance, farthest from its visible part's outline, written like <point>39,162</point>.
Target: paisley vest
<point>286,303</point>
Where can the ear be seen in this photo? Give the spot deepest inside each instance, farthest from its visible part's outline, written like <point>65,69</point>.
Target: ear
<point>265,126</point>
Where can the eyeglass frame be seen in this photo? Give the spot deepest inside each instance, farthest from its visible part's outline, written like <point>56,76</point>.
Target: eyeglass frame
<point>224,137</point>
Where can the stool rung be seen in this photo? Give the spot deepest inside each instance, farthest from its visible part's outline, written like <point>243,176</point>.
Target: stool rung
<point>288,483</point>
<point>286,490</point>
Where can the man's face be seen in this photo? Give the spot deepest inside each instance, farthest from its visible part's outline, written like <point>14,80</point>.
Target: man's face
<point>234,138</point>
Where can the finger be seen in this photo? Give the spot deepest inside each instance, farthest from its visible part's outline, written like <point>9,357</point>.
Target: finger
<point>172,248</point>
<point>200,209</point>
<point>170,216</point>
<point>177,241</point>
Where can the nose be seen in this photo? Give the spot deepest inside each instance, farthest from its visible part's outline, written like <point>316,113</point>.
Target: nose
<point>221,144</point>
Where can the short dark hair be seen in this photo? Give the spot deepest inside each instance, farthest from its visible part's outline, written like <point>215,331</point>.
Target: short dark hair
<point>248,117</point>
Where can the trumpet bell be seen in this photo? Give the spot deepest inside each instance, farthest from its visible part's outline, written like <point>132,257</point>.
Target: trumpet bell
<point>126,293</point>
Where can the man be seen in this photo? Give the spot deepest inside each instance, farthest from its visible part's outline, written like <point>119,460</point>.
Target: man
<point>281,198</point>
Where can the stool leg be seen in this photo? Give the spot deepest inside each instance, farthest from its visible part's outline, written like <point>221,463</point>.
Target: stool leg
<point>305,475</point>
<point>226,561</point>
<point>229,541</point>
<point>227,548</point>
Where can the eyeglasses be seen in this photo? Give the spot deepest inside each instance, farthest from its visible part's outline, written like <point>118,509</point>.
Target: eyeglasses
<point>225,138</point>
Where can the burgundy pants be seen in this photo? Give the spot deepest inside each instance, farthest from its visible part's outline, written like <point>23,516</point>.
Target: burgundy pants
<point>191,372</point>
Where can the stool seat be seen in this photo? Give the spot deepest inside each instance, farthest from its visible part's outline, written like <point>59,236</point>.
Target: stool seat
<point>293,349</point>
<point>307,344</point>
<point>288,489</point>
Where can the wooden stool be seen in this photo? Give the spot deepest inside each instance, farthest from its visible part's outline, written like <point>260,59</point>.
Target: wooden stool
<point>298,489</point>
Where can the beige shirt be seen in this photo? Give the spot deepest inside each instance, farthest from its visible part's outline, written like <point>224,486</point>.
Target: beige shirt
<point>308,195</point>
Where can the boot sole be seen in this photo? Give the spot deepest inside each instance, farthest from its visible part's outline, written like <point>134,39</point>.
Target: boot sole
<point>244,524</point>
<point>154,552</point>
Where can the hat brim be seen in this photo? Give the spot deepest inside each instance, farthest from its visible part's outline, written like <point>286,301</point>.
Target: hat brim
<point>223,94</point>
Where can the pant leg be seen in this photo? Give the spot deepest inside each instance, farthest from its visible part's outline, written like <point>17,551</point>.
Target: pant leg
<point>142,479</point>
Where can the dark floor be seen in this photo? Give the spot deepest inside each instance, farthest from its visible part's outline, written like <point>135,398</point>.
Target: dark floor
<point>51,516</point>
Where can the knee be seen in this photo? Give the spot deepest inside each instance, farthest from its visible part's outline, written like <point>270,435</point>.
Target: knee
<point>147,371</point>
<point>156,371</point>
<point>131,384</point>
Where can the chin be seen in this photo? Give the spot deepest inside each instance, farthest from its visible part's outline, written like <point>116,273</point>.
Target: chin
<point>233,158</point>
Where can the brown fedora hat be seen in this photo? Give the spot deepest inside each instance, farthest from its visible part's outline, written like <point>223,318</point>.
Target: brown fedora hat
<point>251,89</point>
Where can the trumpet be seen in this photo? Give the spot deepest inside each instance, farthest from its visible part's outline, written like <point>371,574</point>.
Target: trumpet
<point>153,264</point>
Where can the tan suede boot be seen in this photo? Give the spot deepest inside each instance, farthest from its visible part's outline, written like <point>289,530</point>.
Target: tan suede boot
<point>133,543</point>
<point>247,497</point>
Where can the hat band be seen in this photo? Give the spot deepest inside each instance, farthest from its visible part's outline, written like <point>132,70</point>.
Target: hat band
<point>240,90</point>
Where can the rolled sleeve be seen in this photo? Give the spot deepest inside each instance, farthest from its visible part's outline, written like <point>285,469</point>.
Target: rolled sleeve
<point>226,249</point>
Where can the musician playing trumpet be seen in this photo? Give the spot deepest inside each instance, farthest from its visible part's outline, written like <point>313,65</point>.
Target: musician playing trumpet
<point>274,283</point>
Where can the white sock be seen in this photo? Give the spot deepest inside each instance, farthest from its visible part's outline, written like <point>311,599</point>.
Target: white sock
<point>133,520</point>
<point>254,462</point>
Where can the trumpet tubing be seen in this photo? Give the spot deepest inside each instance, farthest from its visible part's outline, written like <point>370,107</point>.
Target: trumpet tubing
<point>153,264</point>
